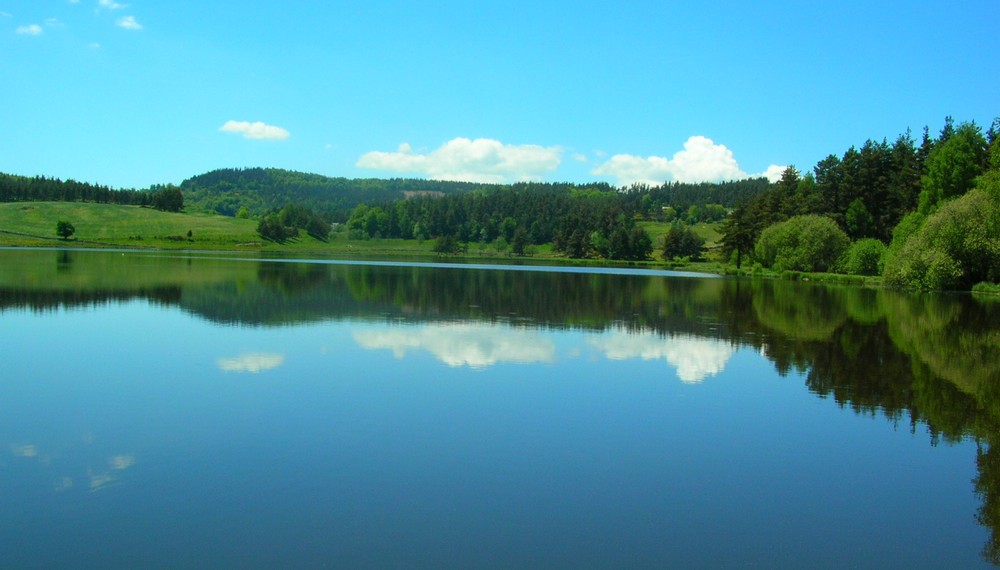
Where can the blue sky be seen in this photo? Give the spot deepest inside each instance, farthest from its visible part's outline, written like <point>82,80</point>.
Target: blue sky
<point>133,93</point>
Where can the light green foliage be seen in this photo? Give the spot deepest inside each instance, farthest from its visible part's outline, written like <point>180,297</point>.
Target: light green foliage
<point>705,213</point>
<point>802,243</point>
<point>952,167</point>
<point>906,227</point>
<point>864,257</point>
<point>956,247</point>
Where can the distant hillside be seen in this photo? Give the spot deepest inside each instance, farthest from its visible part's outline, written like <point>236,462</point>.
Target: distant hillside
<point>261,190</point>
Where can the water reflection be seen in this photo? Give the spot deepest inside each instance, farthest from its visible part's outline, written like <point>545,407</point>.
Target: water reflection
<point>928,360</point>
<point>694,358</point>
<point>253,363</point>
<point>461,344</point>
<point>97,473</point>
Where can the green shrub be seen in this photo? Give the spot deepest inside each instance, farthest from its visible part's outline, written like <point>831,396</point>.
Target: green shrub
<point>801,243</point>
<point>957,246</point>
<point>987,288</point>
<point>864,257</point>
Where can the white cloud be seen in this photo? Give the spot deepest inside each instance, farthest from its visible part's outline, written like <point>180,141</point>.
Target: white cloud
<point>695,358</point>
<point>129,23</point>
<point>256,130</point>
<point>111,5</point>
<point>479,160</point>
<point>701,161</point>
<point>253,363</point>
<point>29,30</point>
<point>773,173</point>
<point>475,346</point>
<point>6,15</point>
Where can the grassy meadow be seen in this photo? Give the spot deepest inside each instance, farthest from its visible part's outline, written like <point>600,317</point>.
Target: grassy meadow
<point>33,224</point>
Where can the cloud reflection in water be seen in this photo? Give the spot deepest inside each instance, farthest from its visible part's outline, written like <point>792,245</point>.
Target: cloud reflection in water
<point>695,358</point>
<point>478,345</point>
<point>454,344</point>
<point>253,363</point>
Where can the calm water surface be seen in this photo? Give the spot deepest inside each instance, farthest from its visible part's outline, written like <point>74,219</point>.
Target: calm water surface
<point>178,411</point>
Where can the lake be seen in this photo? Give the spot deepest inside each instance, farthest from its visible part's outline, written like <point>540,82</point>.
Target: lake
<point>180,410</point>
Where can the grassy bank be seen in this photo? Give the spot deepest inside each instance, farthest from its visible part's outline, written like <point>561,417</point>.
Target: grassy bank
<point>106,225</point>
<point>33,224</point>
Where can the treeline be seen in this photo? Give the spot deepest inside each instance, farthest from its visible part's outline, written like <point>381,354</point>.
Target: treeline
<point>578,220</point>
<point>13,188</point>
<point>285,224</point>
<point>258,191</point>
<point>856,212</point>
<point>687,200</point>
<point>593,220</point>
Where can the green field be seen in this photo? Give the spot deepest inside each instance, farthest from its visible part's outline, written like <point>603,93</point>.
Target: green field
<point>33,224</point>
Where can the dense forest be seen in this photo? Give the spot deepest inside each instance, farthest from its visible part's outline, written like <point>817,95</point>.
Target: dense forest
<point>15,188</point>
<point>579,220</point>
<point>258,191</point>
<point>924,215</point>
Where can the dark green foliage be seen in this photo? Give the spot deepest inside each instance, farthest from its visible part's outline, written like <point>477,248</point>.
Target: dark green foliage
<point>578,220</point>
<point>284,224</point>
<point>601,229</point>
<point>41,189</point>
<point>300,217</point>
<point>64,229</point>
<point>447,245</point>
<point>802,243</point>
<point>858,220</point>
<point>995,153</point>
<point>681,242</point>
<point>270,228</point>
<point>739,234</point>
<point>519,242</point>
<point>640,244</point>
<point>261,190</point>
<point>168,198</point>
<point>664,202</point>
<point>864,257</point>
